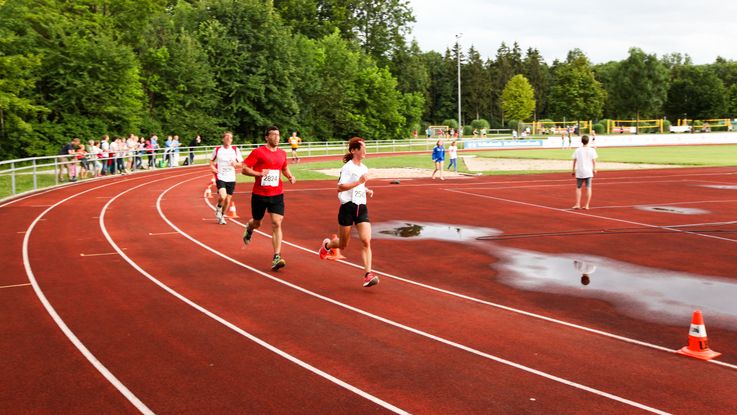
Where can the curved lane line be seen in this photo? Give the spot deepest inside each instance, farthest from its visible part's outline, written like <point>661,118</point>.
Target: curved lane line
<point>492,304</point>
<point>223,321</point>
<point>407,328</point>
<point>133,399</point>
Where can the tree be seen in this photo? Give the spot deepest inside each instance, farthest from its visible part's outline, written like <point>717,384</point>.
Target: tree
<point>17,83</point>
<point>537,72</point>
<point>695,92</point>
<point>476,86</point>
<point>178,79</point>
<point>518,99</point>
<point>640,85</point>
<point>250,54</point>
<point>379,26</point>
<point>576,94</point>
<point>508,63</point>
<point>442,102</point>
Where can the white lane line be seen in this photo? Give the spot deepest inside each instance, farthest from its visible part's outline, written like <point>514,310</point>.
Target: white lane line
<point>161,233</point>
<point>491,304</point>
<point>15,285</point>
<point>133,399</point>
<point>578,212</point>
<point>411,329</point>
<point>223,321</point>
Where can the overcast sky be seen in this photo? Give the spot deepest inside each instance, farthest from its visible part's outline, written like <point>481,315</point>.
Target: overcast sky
<point>603,30</point>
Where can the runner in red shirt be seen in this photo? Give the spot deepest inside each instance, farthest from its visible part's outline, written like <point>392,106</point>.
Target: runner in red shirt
<point>267,163</point>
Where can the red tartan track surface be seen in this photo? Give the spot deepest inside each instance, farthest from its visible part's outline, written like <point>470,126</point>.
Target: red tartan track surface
<point>124,295</point>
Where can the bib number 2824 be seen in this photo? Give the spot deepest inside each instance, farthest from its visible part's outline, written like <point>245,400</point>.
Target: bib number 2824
<point>270,178</point>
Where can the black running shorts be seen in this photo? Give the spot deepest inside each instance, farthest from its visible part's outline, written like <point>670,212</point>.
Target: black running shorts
<point>260,204</point>
<point>229,186</point>
<point>351,213</point>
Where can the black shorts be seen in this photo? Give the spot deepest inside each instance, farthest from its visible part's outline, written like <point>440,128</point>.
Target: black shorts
<point>229,186</point>
<point>295,148</point>
<point>351,213</point>
<point>260,204</point>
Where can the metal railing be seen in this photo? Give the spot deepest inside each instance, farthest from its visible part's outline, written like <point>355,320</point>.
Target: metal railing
<point>33,173</point>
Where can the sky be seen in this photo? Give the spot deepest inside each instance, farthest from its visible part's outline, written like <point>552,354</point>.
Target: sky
<point>603,30</point>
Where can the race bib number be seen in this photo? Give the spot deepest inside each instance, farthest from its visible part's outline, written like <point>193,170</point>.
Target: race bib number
<point>270,178</point>
<point>358,196</point>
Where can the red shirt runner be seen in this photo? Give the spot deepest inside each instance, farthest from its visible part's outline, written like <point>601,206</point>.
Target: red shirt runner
<point>262,159</point>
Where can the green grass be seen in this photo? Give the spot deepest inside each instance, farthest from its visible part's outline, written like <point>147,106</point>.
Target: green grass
<point>712,155</point>
<point>24,183</point>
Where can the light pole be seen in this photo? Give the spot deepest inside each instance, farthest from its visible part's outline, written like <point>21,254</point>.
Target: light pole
<point>458,51</point>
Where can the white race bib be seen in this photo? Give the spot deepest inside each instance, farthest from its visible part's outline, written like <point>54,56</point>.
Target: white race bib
<point>270,178</point>
<point>358,195</point>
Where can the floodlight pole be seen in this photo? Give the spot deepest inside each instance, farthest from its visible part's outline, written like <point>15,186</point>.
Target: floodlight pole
<point>458,51</point>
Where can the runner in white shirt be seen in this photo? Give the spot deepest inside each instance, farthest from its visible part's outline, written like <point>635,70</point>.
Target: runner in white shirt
<point>224,161</point>
<point>352,193</point>
<point>584,168</point>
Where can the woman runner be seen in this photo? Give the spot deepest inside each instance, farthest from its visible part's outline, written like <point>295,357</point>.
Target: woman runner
<point>352,192</point>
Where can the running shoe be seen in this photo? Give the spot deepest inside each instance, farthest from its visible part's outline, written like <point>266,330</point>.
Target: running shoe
<point>370,279</point>
<point>222,221</point>
<point>278,262</point>
<point>324,252</point>
<point>247,236</point>
<point>218,212</point>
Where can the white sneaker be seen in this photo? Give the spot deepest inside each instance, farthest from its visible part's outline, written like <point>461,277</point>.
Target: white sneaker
<point>221,221</point>
<point>219,212</point>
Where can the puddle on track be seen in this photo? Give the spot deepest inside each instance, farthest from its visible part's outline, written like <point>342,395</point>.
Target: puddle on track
<point>636,291</point>
<point>674,209</point>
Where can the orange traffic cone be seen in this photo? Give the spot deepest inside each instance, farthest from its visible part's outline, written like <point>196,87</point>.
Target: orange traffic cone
<point>698,344</point>
<point>334,253</point>
<point>231,211</point>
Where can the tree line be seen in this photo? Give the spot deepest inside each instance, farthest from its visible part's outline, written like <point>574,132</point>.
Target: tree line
<point>326,68</point>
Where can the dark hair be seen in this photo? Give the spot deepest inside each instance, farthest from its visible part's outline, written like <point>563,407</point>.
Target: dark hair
<point>270,129</point>
<point>353,144</point>
<point>585,140</point>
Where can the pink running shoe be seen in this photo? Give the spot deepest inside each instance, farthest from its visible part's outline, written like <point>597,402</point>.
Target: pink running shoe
<point>370,279</point>
<point>324,252</point>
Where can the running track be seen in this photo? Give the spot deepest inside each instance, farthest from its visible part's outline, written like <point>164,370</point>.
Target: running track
<point>124,296</point>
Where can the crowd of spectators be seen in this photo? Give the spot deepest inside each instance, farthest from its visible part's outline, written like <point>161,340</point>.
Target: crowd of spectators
<point>120,155</point>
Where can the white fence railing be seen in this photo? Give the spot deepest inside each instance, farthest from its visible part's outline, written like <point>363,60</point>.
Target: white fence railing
<point>33,173</point>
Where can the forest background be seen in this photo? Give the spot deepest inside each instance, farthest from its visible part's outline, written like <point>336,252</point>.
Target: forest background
<point>328,69</point>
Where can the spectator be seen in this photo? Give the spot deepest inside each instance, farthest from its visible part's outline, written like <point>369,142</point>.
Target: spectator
<point>167,150</point>
<point>438,157</point>
<point>107,163</point>
<point>154,147</point>
<point>584,169</point>
<point>196,141</point>
<point>453,156</point>
<point>66,164</point>
<point>175,151</point>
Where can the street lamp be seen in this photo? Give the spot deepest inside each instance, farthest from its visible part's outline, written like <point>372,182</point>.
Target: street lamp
<point>458,51</point>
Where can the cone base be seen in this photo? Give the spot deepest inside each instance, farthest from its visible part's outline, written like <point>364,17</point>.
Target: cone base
<point>707,354</point>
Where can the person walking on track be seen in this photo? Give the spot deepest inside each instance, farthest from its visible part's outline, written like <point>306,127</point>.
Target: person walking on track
<point>352,193</point>
<point>584,168</point>
<point>267,164</point>
<point>224,161</point>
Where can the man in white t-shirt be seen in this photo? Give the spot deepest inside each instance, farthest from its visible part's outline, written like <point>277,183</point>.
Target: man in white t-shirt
<point>224,161</point>
<point>584,168</point>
